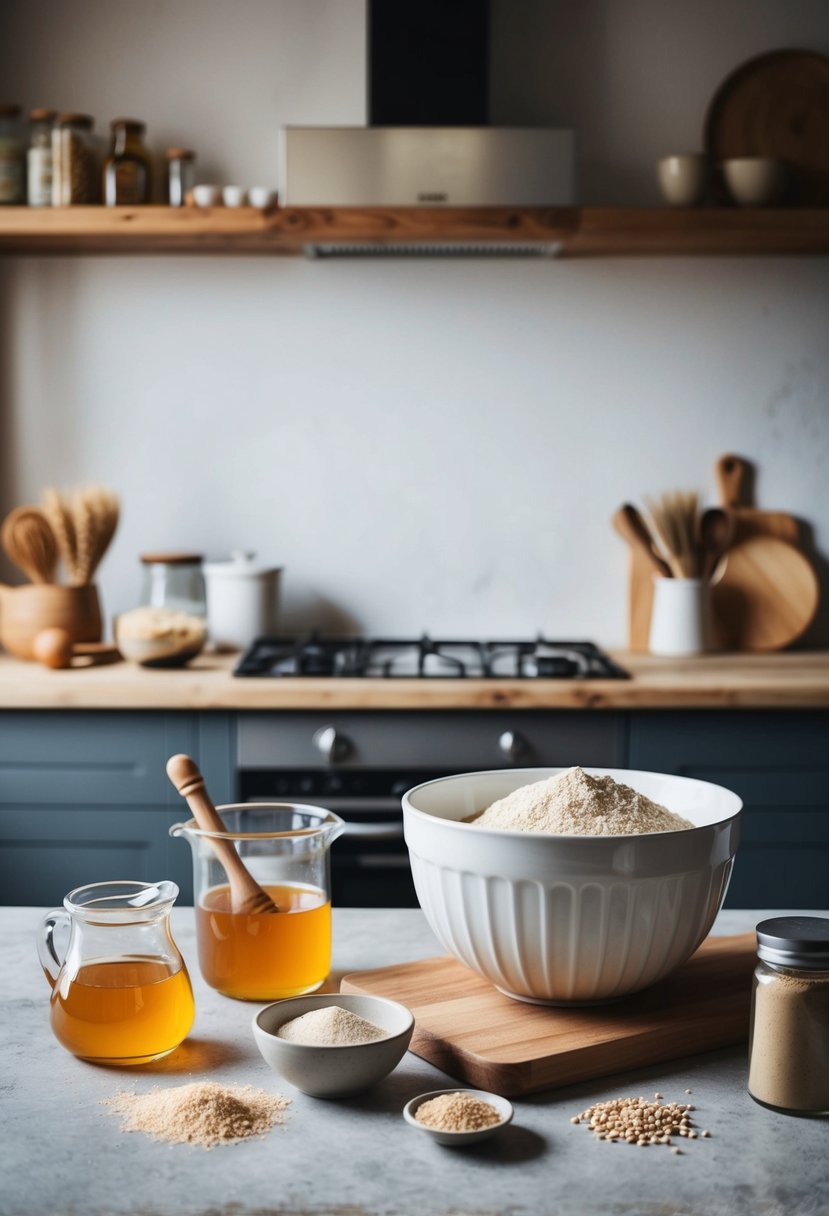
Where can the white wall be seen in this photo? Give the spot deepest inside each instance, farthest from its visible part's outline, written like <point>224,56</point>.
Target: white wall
<point>422,445</point>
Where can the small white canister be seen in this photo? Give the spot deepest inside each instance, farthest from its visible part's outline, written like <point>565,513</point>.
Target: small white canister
<point>679,616</point>
<point>241,600</point>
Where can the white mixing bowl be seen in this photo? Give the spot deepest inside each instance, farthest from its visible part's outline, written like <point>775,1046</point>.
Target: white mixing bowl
<point>560,919</point>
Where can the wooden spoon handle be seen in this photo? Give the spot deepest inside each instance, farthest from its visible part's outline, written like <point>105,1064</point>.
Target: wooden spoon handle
<point>629,524</point>
<point>734,482</point>
<point>245,892</point>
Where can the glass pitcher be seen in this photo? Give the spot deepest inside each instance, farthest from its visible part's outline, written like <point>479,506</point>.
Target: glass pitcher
<point>265,956</point>
<point>121,993</point>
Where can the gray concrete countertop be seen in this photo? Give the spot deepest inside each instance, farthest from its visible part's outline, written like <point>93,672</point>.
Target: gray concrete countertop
<point>61,1152</point>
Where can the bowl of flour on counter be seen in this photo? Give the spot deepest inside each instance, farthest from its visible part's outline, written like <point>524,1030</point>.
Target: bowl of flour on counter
<point>571,885</point>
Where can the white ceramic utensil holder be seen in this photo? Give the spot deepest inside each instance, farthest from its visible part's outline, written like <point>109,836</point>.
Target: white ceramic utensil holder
<point>679,616</point>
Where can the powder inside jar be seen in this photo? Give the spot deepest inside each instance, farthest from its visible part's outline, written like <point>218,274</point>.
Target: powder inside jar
<point>576,803</point>
<point>457,1113</point>
<point>203,1113</point>
<point>332,1026</point>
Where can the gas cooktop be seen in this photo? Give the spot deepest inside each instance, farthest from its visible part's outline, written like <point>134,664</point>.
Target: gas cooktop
<point>425,658</point>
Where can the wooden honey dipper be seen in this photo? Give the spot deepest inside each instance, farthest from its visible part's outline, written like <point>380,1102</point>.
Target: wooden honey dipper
<point>246,896</point>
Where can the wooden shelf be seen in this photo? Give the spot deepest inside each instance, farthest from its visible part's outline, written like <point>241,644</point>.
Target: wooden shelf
<point>578,231</point>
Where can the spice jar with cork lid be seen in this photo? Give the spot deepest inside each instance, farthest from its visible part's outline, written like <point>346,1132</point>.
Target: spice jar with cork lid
<point>12,156</point>
<point>127,178</point>
<point>39,157</point>
<point>789,1037</point>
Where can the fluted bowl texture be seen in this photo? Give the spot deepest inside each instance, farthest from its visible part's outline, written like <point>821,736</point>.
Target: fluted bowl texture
<point>560,919</point>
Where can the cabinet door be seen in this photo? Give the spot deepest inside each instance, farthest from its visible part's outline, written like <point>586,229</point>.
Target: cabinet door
<point>84,796</point>
<point>46,852</point>
<point>778,763</point>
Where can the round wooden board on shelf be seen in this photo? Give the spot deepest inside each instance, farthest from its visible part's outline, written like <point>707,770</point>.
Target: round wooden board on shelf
<point>767,595</point>
<point>777,105</point>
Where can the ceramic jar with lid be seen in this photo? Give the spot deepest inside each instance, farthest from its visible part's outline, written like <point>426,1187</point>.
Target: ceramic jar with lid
<point>241,600</point>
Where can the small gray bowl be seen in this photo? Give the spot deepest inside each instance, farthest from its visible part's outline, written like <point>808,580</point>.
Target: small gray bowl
<point>334,1072</point>
<point>459,1139</point>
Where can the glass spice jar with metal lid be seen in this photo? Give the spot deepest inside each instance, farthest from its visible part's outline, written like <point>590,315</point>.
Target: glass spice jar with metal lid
<point>789,1037</point>
<point>39,158</point>
<point>76,161</point>
<point>180,163</point>
<point>127,171</point>
<point>12,157</point>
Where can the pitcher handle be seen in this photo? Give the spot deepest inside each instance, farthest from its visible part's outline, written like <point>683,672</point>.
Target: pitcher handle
<point>46,952</point>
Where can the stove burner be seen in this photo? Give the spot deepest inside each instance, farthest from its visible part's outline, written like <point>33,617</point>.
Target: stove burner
<point>426,659</point>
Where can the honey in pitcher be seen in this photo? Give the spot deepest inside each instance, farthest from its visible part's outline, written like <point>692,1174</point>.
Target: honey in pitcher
<point>265,956</point>
<point>124,1011</point>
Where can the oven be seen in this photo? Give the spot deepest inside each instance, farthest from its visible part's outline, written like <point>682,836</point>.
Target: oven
<point>359,763</point>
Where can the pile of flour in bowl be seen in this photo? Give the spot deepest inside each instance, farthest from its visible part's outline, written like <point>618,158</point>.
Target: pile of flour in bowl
<point>577,804</point>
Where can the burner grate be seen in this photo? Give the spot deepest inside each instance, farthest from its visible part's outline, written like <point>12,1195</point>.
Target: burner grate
<point>424,658</point>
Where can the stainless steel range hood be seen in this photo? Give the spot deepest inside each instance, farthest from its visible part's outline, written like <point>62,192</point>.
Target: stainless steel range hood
<point>428,145</point>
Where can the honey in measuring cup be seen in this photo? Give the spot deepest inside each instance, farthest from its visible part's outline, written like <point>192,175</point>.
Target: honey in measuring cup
<point>121,993</point>
<point>266,956</point>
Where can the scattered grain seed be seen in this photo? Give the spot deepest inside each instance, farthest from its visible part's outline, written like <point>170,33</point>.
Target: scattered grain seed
<point>706,1134</point>
<point>689,1091</point>
<point>676,1150</point>
<point>657,1095</point>
<point>575,1119</point>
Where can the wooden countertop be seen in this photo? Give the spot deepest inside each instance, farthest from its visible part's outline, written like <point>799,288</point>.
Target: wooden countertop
<point>794,680</point>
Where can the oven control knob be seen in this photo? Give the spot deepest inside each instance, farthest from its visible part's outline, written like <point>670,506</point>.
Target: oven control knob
<point>513,745</point>
<point>331,744</point>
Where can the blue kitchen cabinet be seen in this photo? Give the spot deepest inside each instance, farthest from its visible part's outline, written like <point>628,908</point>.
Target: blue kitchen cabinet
<point>84,797</point>
<point>778,763</point>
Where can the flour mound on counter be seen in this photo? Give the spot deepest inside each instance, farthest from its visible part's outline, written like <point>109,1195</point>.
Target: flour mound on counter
<point>203,1113</point>
<point>577,804</point>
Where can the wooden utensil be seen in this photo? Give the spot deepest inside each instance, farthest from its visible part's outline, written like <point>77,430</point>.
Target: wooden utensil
<point>470,1030</point>
<point>30,543</point>
<point>768,593</point>
<point>767,597</point>
<point>675,523</point>
<point>735,482</point>
<point>246,896</point>
<point>631,526</point>
<point>716,532</point>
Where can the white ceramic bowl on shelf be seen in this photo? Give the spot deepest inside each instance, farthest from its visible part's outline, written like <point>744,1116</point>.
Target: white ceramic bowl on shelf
<point>567,919</point>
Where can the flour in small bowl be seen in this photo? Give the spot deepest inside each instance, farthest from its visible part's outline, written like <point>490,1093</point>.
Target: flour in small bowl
<point>575,803</point>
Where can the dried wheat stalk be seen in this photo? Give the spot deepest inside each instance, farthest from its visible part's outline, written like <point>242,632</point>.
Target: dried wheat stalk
<point>84,522</point>
<point>675,520</point>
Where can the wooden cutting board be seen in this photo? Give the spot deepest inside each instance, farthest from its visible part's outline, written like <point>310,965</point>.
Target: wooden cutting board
<point>467,1028</point>
<point>768,593</point>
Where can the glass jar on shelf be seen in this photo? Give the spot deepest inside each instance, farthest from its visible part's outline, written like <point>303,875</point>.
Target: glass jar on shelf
<point>12,157</point>
<point>76,161</point>
<point>127,171</point>
<point>39,158</point>
<point>180,163</point>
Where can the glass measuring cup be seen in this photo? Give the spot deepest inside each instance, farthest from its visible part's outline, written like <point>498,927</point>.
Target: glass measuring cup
<point>265,956</point>
<point>121,993</point>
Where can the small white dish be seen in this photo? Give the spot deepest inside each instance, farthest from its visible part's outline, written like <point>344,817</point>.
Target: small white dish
<point>207,196</point>
<point>262,196</point>
<point>334,1072</point>
<point>755,181</point>
<point>459,1139</point>
<point>234,196</point>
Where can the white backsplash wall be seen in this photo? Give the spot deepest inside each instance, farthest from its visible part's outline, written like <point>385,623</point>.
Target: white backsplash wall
<point>422,445</point>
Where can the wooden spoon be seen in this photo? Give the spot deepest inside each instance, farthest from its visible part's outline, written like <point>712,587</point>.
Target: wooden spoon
<point>629,524</point>
<point>716,532</point>
<point>246,896</point>
<point>30,543</point>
